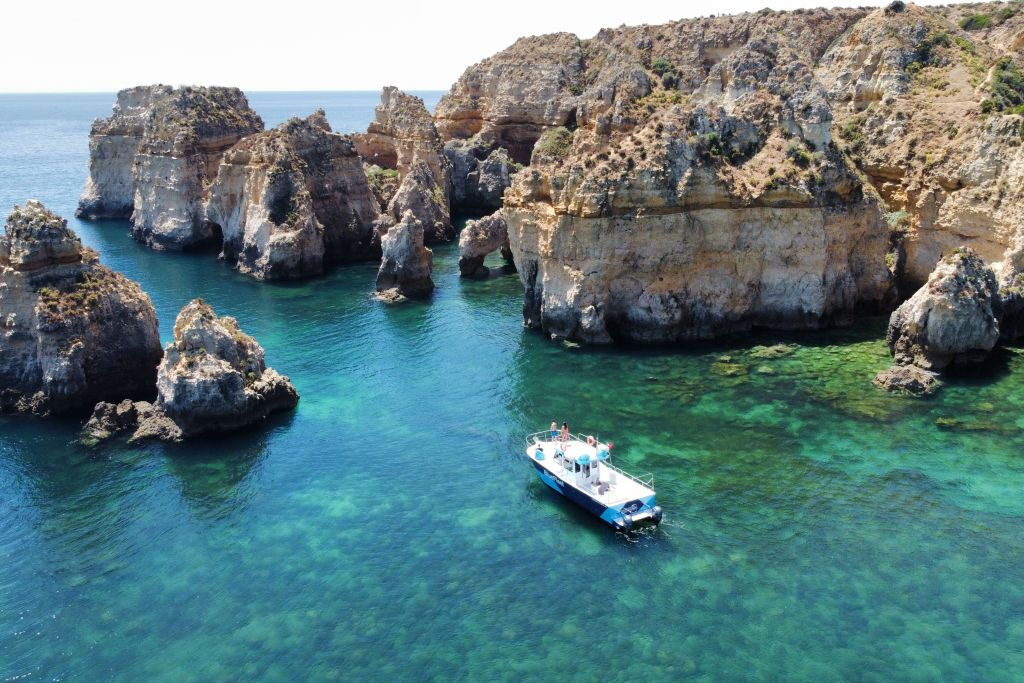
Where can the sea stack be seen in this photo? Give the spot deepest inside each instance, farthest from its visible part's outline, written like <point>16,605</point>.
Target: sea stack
<point>73,332</point>
<point>953,318</point>
<point>402,133</point>
<point>406,264</point>
<point>169,142</point>
<point>420,195</point>
<point>293,200</point>
<point>213,378</point>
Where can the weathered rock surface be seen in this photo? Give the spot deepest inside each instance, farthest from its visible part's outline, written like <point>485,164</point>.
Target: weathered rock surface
<point>908,379</point>
<point>709,175</point>
<point>406,264</point>
<point>293,200</point>
<point>213,378</point>
<point>480,175</point>
<point>72,332</point>
<point>478,239</point>
<point>156,155</point>
<point>420,194</point>
<point>401,134</point>
<point>954,317</point>
<point>113,144</point>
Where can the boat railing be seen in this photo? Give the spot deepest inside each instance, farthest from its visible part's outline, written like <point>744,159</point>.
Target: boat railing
<point>644,479</point>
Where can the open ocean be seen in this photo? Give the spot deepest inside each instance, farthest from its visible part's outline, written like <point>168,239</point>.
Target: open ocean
<point>816,528</point>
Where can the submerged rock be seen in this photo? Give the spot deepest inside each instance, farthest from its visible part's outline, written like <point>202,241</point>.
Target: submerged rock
<point>954,317</point>
<point>72,331</point>
<point>213,378</point>
<point>293,200</point>
<point>156,155</point>
<point>424,198</point>
<point>478,239</point>
<point>406,264</point>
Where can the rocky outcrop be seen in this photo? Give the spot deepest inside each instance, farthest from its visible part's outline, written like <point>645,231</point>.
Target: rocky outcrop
<point>401,134</point>
<point>668,218</point>
<point>480,175</point>
<point>113,144</point>
<point>406,264</point>
<point>749,169</point>
<point>425,199</point>
<point>213,377</point>
<point>156,155</point>
<point>478,239</point>
<point>954,317</point>
<point>72,331</point>
<point>1010,276</point>
<point>293,200</point>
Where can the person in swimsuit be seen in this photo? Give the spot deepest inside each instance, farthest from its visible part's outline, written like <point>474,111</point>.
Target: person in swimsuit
<point>554,431</point>
<point>565,434</point>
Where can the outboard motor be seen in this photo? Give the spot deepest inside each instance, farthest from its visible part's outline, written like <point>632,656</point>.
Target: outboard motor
<point>656,512</point>
<point>627,522</point>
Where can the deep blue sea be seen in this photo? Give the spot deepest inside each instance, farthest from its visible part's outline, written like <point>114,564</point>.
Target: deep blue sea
<point>815,527</point>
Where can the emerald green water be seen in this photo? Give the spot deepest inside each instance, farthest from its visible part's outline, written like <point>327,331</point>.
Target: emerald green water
<point>816,528</point>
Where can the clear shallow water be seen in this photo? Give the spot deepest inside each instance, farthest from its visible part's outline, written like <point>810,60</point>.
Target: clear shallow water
<point>816,528</point>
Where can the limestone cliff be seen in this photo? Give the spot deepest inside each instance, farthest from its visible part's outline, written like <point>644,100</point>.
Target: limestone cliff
<point>775,169</point>
<point>72,331</point>
<point>293,200</point>
<point>156,155</point>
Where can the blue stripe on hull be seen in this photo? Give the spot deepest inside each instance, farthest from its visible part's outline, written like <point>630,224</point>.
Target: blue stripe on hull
<point>607,514</point>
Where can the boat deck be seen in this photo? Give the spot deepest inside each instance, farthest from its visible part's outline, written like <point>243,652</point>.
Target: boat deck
<point>613,487</point>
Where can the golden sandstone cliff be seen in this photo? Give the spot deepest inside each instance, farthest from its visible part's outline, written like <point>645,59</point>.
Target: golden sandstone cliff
<point>776,169</point>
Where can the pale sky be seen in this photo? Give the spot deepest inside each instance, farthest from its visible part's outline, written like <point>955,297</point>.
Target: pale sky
<point>106,45</point>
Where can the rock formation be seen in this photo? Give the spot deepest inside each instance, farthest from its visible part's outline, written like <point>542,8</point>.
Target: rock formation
<point>293,200</point>
<point>425,199</point>
<point>779,169</point>
<point>401,134</point>
<point>478,239</point>
<point>161,147</point>
<point>213,378</point>
<point>480,175</point>
<point>954,317</point>
<point>113,144</point>
<point>72,331</point>
<point>406,264</point>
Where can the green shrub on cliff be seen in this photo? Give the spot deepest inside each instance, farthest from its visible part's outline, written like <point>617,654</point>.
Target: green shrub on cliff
<point>1007,89</point>
<point>976,22</point>
<point>555,143</point>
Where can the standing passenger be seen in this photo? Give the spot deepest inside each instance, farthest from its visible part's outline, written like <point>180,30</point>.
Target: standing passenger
<point>554,431</point>
<point>565,434</point>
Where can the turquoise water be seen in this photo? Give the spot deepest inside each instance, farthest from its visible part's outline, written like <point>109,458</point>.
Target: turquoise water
<point>816,528</point>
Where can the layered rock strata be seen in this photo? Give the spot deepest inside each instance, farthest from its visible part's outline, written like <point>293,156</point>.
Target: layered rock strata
<point>293,200</point>
<point>406,264</point>
<point>954,317</point>
<point>162,146</point>
<point>72,331</point>
<point>478,239</point>
<point>213,377</point>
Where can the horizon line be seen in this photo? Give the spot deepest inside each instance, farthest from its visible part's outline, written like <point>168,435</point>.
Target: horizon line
<point>245,90</point>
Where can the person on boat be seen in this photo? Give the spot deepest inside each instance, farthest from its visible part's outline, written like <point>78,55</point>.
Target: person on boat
<point>565,434</point>
<point>554,431</point>
<point>591,441</point>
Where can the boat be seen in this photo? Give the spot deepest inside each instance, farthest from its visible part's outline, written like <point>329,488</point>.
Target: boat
<point>581,470</point>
